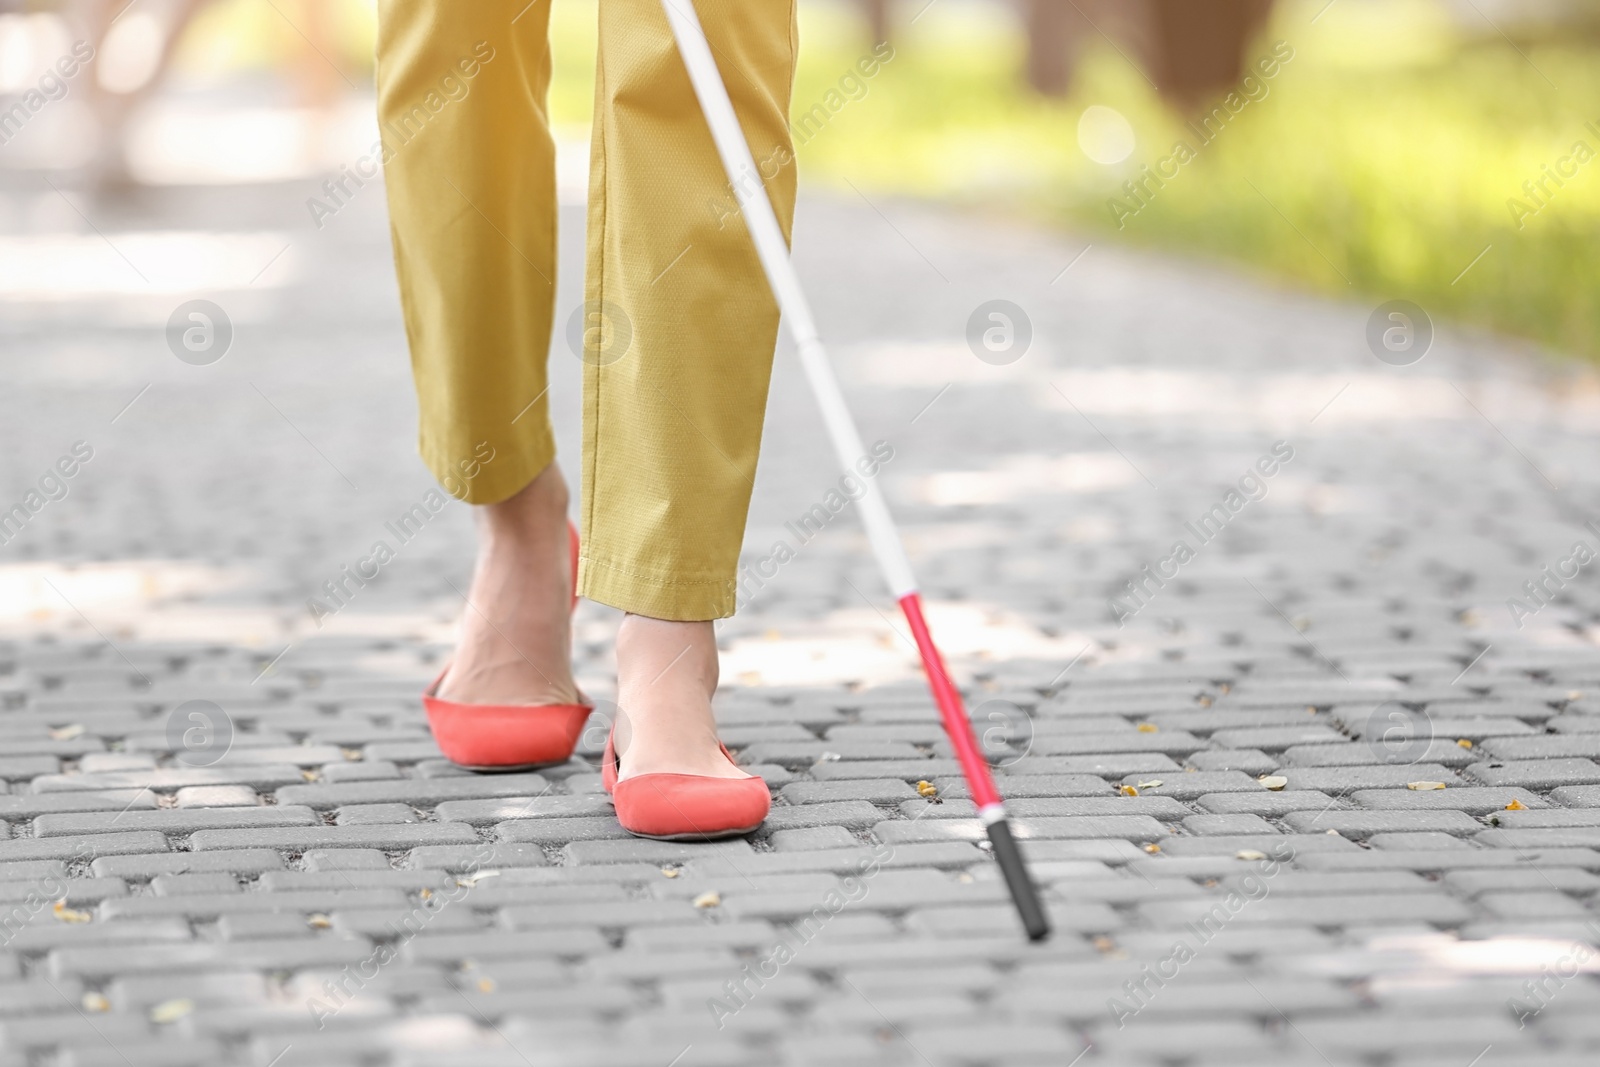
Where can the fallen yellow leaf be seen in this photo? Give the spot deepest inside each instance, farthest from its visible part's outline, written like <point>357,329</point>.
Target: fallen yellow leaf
<point>1274,782</point>
<point>70,915</point>
<point>319,922</point>
<point>1154,783</point>
<point>1464,743</point>
<point>709,899</point>
<point>96,1002</point>
<point>1424,785</point>
<point>1128,790</point>
<point>1152,848</point>
<point>486,985</point>
<point>169,1011</point>
<point>1516,805</point>
<point>1148,728</point>
<point>669,872</point>
<point>67,733</point>
<point>927,789</point>
<point>1249,854</point>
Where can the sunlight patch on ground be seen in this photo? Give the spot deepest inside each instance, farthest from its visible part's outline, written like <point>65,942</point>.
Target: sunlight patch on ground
<point>861,646</point>
<point>1029,475</point>
<point>62,266</point>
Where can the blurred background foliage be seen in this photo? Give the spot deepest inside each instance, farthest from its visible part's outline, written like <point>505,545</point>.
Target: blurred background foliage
<point>1381,161</point>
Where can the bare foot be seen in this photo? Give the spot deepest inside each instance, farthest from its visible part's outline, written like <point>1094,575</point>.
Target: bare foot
<point>666,673</point>
<point>516,637</point>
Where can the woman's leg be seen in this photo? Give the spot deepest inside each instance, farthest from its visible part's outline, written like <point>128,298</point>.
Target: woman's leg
<point>470,170</point>
<point>675,388</point>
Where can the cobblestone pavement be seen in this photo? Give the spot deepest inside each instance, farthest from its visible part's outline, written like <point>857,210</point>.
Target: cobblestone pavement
<point>1315,794</point>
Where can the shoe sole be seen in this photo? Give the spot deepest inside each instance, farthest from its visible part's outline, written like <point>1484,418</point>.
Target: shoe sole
<point>717,836</point>
<point>507,768</point>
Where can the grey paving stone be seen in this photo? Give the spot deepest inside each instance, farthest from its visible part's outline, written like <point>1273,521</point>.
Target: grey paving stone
<point>263,926</point>
<point>1417,840</point>
<point>1544,746</point>
<point>484,855</point>
<point>1536,774</point>
<point>299,838</point>
<point>1328,910</point>
<point>1251,761</point>
<point>1473,801</point>
<point>22,768</point>
<point>1288,882</point>
<point>1342,781</point>
<point>90,846</point>
<point>908,770</point>
<point>202,906</point>
<point>234,861</point>
<point>217,796</point>
<point>1533,879</point>
<point>171,820</point>
<point>1228,824</point>
<point>415,791</point>
<point>1452,859</point>
<point>370,814</point>
<point>1189,785</point>
<point>812,838</point>
<point>850,814</point>
<point>1109,765</point>
<point>490,812</point>
<point>1278,738</point>
<point>558,831</point>
<point>362,771</point>
<point>27,806</point>
<point>336,878</point>
<point>75,891</point>
<point>1556,837</point>
<point>881,791</point>
<point>1031,785</point>
<point>32,871</point>
<point>1532,904</point>
<point>1439,750</point>
<point>168,779</point>
<point>273,954</point>
<point>1167,743</point>
<point>1267,803</point>
<point>953,854</point>
<point>1362,824</point>
<point>640,850</point>
<point>1577,796</point>
<point>1548,818</point>
<point>167,885</point>
<point>802,754</point>
<point>345,859</point>
<point>1296,845</point>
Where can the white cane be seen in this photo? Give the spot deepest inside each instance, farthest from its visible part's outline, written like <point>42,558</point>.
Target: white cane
<point>745,180</point>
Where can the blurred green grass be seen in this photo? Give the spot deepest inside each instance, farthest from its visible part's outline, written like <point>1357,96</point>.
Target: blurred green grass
<point>1378,166</point>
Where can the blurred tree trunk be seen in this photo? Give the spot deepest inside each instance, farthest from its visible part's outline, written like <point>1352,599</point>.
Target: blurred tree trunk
<point>1191,49</point>
<point>1195,49</point>
<point>878,19</point>
<point>1054,27</point>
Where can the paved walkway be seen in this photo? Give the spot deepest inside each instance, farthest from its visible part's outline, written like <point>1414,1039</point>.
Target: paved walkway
<point>1321,797</point>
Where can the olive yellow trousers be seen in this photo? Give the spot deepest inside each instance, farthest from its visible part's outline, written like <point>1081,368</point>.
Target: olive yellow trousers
<point>677,327</point>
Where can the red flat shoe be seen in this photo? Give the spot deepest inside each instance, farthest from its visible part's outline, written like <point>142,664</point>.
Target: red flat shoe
<point>506,737</point>
<point>684,807</point>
